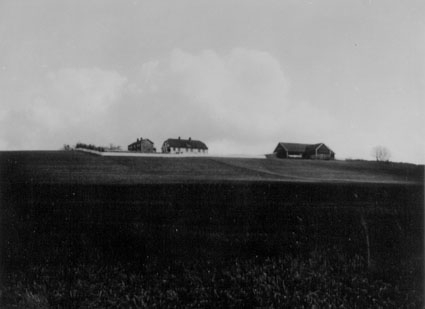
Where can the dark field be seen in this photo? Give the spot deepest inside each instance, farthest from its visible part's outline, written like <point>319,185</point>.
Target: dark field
<point>85,231</point>
<point>80,168</point>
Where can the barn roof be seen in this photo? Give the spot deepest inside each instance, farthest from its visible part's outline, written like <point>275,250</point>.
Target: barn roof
<point>185,143</point>
<point>312,147</point>
<point>294,147</point>
<point>301,148</point>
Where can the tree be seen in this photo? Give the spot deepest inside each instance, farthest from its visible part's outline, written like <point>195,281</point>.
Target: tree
<point>114,147</point>
<point>381,153</point>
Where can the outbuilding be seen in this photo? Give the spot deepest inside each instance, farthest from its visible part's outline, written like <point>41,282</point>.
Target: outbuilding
<point>318,151</point>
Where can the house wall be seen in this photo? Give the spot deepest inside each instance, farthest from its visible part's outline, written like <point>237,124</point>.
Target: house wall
<point>132,147</point>
<point>146,147</point>
<point>165,148</point>
<point>142,146</point>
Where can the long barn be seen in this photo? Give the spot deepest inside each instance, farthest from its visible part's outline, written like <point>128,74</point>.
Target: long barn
<point>184,146</point>
<point>317,151</point>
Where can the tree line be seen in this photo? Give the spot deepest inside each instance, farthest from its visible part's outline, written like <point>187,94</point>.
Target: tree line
<point>89,147</point>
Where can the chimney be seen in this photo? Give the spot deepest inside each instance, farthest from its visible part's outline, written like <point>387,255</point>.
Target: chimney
<point>179,137</point>
<point>190,138</point>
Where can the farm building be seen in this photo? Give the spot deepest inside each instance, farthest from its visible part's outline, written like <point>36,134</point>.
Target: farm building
<point>142,145</point>
<point>179,146</point>
<point>317,151</point>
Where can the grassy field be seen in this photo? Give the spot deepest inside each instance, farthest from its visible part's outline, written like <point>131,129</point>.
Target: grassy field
<point>79,230</point>
<point>82,168</point>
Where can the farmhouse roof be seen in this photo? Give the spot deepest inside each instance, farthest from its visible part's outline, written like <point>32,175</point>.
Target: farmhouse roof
<point>186,143</point>
<point>147,139</point>
<point>142,140</point>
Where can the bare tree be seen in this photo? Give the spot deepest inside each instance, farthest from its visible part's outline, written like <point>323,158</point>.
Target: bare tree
<point>113,147</point>
<point>381,153</point>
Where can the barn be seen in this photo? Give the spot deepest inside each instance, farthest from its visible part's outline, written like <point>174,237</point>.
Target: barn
<point>184,146</point>
<point>142,145</point>
<point>318,151</point>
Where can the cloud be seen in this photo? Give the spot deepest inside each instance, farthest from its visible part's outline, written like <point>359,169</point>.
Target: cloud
<point>237,102</point>
<point>71,96</point>
<point>63,103</point>
<point>245,89</point>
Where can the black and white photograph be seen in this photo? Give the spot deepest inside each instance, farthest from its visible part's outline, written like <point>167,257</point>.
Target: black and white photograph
<point>212,154</point>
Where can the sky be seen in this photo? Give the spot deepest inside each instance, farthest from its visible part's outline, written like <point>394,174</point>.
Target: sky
<point>239,75</point>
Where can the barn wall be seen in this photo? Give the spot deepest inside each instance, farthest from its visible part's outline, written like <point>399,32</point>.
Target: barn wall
<point>281,153</point>
<point>321,156</point>
<point>323,149</point>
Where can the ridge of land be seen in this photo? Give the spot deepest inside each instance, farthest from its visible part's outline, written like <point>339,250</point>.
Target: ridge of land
<point>73,167</point>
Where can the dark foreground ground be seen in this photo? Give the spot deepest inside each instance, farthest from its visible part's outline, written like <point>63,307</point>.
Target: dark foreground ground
<point>257,243</point>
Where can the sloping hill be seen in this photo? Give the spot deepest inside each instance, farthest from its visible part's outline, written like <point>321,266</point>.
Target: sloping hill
<point>83,168</point>
<point>332,171</point>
